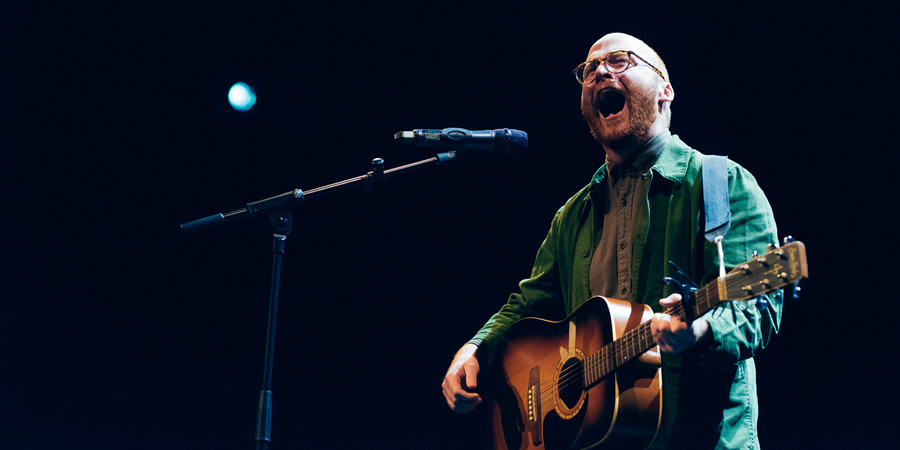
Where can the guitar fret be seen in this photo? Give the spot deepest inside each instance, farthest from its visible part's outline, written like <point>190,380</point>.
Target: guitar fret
<point>593,370</point>
<point>620,357</point>
<point>750,279</point>
<point>589,370</point>
<point>603,356</point>
<point>646,338</point>
<point>630,342</point>
<point>612,356</point>
<point>619,353</point>
<point>586,370</point>
<point>704,299</point>
<point>699,299</point>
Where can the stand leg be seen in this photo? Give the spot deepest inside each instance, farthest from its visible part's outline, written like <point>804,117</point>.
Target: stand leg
<point>281,226</point>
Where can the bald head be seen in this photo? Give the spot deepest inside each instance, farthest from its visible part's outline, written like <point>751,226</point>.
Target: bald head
<point>622,41</point>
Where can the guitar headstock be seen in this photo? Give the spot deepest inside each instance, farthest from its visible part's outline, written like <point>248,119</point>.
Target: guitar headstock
<point>777,268</point>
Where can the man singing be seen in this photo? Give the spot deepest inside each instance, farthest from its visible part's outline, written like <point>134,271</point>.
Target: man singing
<point>641,209</point>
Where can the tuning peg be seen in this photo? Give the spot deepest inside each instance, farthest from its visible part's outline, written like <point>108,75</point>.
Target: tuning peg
<point>779,297</point>
<point>796,292</point>
<point>774,249</point>
<point>762,302</point>
<point>788,239</point>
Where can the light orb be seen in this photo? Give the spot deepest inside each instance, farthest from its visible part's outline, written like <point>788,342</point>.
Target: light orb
<point>241,96</point>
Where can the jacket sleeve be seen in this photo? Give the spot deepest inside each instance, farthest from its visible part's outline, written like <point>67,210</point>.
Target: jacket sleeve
<point>538,294</point>
<point>741,329</point>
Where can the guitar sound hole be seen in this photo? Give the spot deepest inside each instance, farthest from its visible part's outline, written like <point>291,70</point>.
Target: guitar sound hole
<point>570,381</point>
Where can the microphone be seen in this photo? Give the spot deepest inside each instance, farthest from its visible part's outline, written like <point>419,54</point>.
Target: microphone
<point>503,140</point>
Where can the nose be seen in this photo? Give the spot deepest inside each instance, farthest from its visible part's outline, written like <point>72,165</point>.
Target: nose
<point>602,72</point>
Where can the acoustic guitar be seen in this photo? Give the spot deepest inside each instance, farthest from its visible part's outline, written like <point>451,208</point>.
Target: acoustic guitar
<point>593,379</point>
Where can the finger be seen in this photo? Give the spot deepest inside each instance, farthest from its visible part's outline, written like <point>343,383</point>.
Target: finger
<point>461,397</point>
<point>458,399</point>
<point>451,383</point>
<point>448,393</point>
<point>452,387</point>
<point>663,344</point>
<point>448,397</point>
<point>471,374</point>
<point>464,402</point>
<point>467,398</point>
<point>656,331</point>
<point>670,301</point>
<point>465,406</point>
<point>676,324</point>
<point>663,323</point>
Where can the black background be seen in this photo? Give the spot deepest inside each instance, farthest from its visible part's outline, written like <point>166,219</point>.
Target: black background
<point>119,332</point>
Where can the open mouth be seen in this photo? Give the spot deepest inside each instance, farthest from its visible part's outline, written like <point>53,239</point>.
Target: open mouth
<point>610,102</point>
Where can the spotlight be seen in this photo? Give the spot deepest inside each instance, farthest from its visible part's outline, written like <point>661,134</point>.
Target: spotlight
<point>241,96</point>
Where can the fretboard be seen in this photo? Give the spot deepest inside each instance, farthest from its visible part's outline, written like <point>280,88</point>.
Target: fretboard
<point>777,268</point>
<point>638,340</point>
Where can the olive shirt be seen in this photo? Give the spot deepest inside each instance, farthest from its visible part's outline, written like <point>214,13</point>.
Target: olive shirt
<point>627,186</point>
<point>709,393</point>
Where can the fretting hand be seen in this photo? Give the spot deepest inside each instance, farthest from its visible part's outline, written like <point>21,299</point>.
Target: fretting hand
<point>674,335</point>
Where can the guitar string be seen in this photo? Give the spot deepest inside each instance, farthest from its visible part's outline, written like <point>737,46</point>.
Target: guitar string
<point>575,372</point>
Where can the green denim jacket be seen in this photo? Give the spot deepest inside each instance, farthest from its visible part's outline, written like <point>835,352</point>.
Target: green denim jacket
<point>709,394</point>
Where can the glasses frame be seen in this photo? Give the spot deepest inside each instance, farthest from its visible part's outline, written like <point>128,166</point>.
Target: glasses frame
<point>631,64</point>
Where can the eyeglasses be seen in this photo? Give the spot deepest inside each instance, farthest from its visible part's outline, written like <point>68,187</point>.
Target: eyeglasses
<point>615,62</point>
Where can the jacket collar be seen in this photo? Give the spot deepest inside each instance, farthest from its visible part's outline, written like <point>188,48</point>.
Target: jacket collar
<point>671,166</point>
<point>672,163</point>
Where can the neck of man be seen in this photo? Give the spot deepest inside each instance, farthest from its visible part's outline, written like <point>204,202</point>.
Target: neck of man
<point>620,153</point>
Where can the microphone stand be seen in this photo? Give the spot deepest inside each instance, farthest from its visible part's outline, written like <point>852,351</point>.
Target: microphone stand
<point>277,209</point>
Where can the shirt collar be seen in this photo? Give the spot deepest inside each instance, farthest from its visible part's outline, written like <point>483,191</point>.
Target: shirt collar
<point>642,160</point>
<point>670,162</point>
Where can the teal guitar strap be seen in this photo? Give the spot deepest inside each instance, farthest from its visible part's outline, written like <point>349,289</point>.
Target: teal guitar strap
<point>715,196</point>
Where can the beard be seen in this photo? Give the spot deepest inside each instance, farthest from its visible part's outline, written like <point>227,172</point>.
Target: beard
<point>641,103</point>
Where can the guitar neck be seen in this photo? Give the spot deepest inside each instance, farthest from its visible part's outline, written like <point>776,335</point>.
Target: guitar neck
<point>639,340</point>
<point>777,268</point>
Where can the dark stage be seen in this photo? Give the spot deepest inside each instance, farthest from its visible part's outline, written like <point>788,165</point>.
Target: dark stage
<point>120,332</point>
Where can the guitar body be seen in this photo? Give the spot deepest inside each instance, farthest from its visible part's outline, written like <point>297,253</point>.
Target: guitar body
<point>593,380</point>
<point>539,399</point>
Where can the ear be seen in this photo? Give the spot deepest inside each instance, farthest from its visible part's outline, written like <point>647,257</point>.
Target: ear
<point>666,94</point>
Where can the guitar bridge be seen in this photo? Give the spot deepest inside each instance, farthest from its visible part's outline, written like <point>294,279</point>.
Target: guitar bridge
<point>534,406</point>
